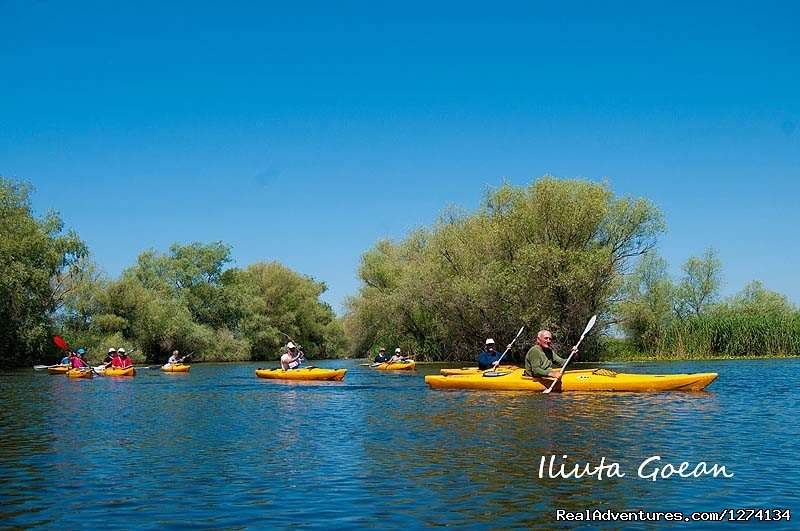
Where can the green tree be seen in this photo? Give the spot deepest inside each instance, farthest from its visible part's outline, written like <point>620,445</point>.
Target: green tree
<point>280,303</point>
<point>35,256</point>
<point>648,299</point>
<point>700,284</point>
<point>548,255</point>
<point>755,299</point>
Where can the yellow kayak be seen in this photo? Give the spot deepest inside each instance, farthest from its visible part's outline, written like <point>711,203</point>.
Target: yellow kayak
<point>115,371</point>
<point>399,366</point>
<point>474,370</point>
<point>80,373</point>
<point>305,373</point>
<point>58,370</point>
<point>175,368</point>
<point>580,380</point>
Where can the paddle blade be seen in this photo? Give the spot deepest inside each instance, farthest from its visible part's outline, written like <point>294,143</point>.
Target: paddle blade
<point>40,367</point>
<point>495,374</point>
<point>60,343</point>
<point>589,325</point>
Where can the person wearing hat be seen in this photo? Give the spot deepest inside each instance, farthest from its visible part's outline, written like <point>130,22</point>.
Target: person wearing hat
<point>489,357</point>
<point>109,359</point>
<point>293,357</point>
<point>123,360</point>
<point>398,356</point>
<point>77,360</point>
<point>382,357</point>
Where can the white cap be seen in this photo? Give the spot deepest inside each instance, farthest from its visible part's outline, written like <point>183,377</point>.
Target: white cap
<point>397,350</point>
<point>112,349</point>
<point>490,341</point>
<point>290,345</point>
<point>121,350</point>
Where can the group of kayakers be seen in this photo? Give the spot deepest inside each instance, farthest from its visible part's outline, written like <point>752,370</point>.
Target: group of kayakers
<point>75,359</point>
<point>116,358</point>
<point>397,357</point>
<point>539,360</point>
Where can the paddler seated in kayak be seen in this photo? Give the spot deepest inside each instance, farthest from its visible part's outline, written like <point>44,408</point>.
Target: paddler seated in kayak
<point>489,358</point>
<point>398,357</point>
<point>116,361</point>
<point>382,357</point>
<point>293,357</point>
<point>109,359</point>
<point>540,358</point>
<point>174,359</point>
<point>124,360</point>
<point>65,360</point>
<point>77,360</point>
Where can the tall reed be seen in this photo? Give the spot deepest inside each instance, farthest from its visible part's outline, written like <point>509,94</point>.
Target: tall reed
<point>732,334</point>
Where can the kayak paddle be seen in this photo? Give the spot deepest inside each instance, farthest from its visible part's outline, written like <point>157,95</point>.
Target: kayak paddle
<point>60,343</point>
<point>493,373</point>
<point>589,326</point>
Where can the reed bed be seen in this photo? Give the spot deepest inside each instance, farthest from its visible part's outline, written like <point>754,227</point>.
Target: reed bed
<point>731,335</point>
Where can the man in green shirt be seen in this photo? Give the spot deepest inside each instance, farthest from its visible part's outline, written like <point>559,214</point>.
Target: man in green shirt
<point>540,358</point>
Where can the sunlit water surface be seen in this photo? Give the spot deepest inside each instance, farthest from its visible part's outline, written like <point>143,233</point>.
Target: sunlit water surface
<point>220,448</point>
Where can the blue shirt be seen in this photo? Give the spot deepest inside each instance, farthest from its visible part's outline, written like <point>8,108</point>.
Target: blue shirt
<point>486,359</point>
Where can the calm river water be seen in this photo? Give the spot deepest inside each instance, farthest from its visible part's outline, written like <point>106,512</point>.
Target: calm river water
<point>220,449</point>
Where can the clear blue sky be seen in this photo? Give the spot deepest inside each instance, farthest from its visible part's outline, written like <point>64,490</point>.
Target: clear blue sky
<point>304,132</point>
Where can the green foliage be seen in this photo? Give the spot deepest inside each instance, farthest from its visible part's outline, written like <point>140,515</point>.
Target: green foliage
<point>185,299</point>
<point>549,255</point>
<point>727,333</point>
<point>648,299</point>
<point>756,300</point>
<point>700,284</point>
<point>34,256</point>
<point>667,322</point>
<point>613,349</point>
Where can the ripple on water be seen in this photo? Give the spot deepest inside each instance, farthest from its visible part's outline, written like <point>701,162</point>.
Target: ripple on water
<point>219,448</point>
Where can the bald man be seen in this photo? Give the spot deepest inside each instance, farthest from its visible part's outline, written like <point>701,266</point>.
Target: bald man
<point>540,358</point>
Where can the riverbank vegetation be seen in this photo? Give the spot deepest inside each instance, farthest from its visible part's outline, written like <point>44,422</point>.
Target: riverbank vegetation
<point>664,318</point>
<point>548,255</point>
<point>186,299</point>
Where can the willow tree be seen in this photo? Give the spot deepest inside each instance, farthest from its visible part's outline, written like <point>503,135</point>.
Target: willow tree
<point>551,254</point>
<point>36,259</point>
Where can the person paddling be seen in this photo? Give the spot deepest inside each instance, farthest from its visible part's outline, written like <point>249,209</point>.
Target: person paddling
<point>397,357</point>
<point>109,359</point>
<point>77,360</point>
<point>540,359</point>
<point>123,360</point>
<point>174,360</point>
<point>293,357</point>
<point>489,357</point>
<point>382,357</point>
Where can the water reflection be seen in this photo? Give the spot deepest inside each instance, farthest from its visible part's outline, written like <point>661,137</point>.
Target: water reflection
<point>219,448</point>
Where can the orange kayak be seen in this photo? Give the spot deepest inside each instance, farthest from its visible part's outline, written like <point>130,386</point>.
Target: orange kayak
<point>399,366</point>
<point>80,373</point>
<point>58,370</point>
<point>474,370</point>
<point>175,368</point>
<point>115,371</point>
<point>579,380</point>
<point>305,373</point>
